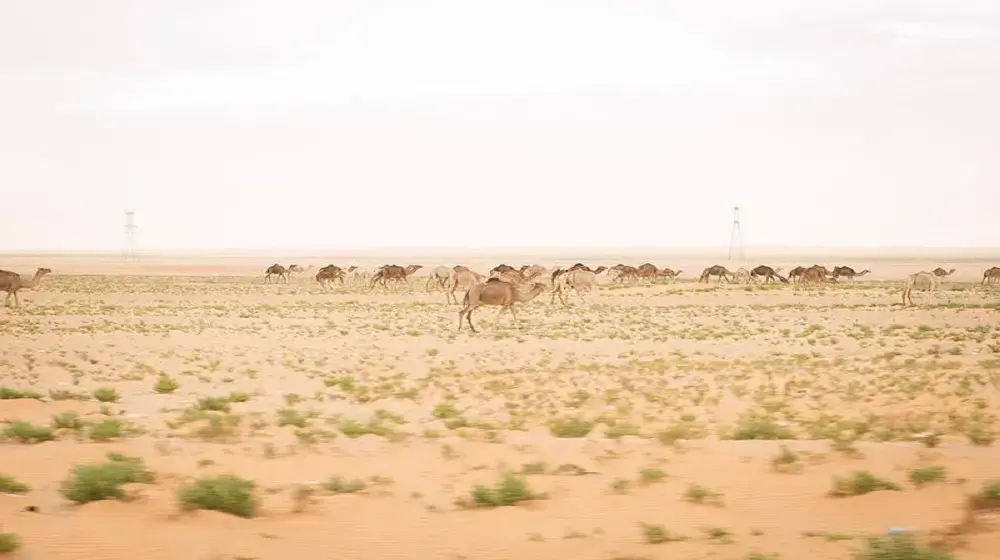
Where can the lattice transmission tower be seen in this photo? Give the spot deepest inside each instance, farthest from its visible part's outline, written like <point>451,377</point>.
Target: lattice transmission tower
<point>736,239</point>
<point>130,251</point>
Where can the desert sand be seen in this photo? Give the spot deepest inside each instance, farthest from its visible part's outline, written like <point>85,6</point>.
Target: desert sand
<point>653,421</point>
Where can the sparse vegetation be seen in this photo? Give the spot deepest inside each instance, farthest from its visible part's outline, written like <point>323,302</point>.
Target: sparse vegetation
<point>88,483</point>
<point>626,396</point>
<point>226,493</point>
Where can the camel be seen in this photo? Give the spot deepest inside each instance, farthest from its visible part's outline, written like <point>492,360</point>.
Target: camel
<point>439,277</point>
<point>330,273</point>
<point>848,272</point>
<point>512,276</point>
<point>991,276</point>
<point>768,273</point>
<point>941,273</point>
<point>496,292</point>
<point>716,270</point>
<point>395,273</point>
<point>580,266</point>
<point>815,273</point>
<point>463,278</point>
<point>529,272</point>
<point>579,280</point>
<point>626,272</point>
<point>275,270</point>
<point>795,274</point>
<point>919,280</point>
<point>500,269</point>
<point>670,275</point>
<point>362,275</point>
<point>294,269</point>
<point>11,282</point>
<point>647,270</point>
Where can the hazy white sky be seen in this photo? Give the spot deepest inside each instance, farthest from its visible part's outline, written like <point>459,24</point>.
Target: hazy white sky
<point>253,124</point>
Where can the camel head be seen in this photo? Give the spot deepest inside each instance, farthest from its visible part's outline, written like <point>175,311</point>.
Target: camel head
<point>863,272</point>
<point>412,268</point>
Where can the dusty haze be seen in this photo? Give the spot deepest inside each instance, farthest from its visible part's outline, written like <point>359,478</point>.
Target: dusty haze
<point>336,124</point>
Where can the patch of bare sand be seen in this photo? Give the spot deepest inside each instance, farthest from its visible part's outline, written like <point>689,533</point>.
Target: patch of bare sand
<point>584,403</point>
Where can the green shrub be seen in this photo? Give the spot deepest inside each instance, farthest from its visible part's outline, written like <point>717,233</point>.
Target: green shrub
<point>227,493</point>
<point>90,483</point>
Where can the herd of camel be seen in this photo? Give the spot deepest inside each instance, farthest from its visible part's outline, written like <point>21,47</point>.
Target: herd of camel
<point>505,285</point>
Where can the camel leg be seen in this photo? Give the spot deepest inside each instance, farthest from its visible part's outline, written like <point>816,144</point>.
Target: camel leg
<point>513,314</point>
<point>17,301</point>
<point>468,318</point>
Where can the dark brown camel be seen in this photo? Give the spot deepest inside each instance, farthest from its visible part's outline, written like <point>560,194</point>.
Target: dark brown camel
<point>769,274</point>
<point>501,268</point>
<point>716,270</point>
<point>941,273</point>
<point>328,274</point>
<point>496,292</point>
<point>626,272</point>
<point>12,282</point>
<point>795,274</point>
<point>847,272</point>
<point>395,273</point>
<point>275,270</point>
<point>991,276</point>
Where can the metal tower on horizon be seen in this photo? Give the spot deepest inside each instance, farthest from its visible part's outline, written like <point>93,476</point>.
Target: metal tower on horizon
<point>129,253</point>
<point>736,238</point>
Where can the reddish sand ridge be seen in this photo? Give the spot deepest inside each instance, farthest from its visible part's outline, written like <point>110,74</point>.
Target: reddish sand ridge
<point>858,382</point>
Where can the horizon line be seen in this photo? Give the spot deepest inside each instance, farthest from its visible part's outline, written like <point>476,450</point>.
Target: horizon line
<point>747,250</point>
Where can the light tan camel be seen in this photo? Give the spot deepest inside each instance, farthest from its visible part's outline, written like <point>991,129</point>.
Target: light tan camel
<point>294,269</point>
<point>941,273</point>
<point>991,276</point>
<point>11,282</point>
<point>497,292</point>
<point>670,275</point>
<point>275,270</point>
<point>578,280</point>
<point>439,277</point>
<point>920,280</point>
<point>463,279</point>
<point>363,275</point>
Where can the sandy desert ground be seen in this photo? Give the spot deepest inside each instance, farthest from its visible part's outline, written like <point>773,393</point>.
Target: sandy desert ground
<point>646,422</point>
